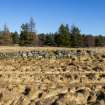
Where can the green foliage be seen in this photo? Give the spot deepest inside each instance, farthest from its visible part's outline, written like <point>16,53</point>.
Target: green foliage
<point>27,36</point>
<point>100,40</point>
<point>63,37</point>
<point>49,40</point>
<point>15,38</point>
<point>76,38</point>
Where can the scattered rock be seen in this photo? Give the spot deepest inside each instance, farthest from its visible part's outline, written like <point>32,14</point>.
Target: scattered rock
<point>26,91</point>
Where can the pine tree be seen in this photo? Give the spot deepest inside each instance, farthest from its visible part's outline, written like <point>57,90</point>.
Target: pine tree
<point>15,37</point>
<point>100,41</point>
<point>63,37</point>
<point>28,36</point>
<point>76,38</point>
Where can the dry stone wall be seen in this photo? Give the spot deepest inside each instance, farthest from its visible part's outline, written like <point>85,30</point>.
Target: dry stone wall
<point>56,54</point>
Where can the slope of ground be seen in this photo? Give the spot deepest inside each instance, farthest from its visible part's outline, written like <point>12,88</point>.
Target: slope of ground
<point>77,80</point>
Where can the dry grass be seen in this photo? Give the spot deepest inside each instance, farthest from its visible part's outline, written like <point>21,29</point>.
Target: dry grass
<point>18,48</point>
<point>48,80</point>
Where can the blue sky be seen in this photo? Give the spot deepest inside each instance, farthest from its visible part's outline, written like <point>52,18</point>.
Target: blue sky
<point>89,15</point>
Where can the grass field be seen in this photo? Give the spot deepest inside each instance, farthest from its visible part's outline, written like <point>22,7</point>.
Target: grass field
<point>78,81</point>
<point>18,48</point>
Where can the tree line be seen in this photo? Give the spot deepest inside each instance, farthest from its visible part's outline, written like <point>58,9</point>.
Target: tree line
<point>65,37</point>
